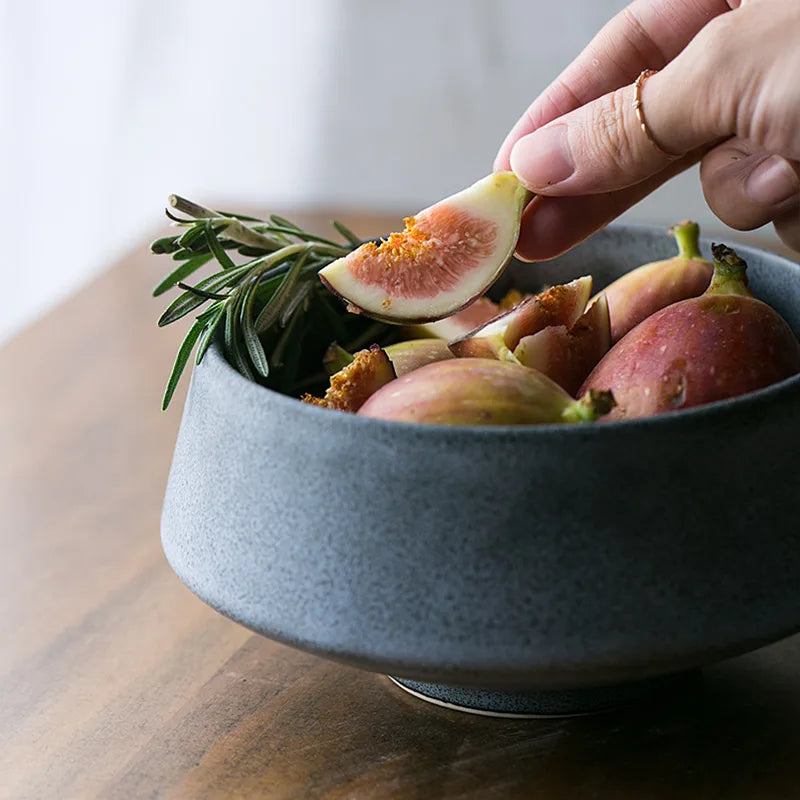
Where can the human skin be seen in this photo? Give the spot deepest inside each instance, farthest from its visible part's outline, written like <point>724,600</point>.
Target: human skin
<point>727,94</point>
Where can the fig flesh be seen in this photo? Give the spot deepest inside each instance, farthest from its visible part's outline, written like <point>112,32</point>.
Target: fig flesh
<point>447,256</point>
<point>558,305</point>
<point>416,353</point>
<point>722,344</point>
<point>651,287</point>
<point>476,391</point>
<point>350,387</point>
<point>568,355</point>
<point>460,323</point>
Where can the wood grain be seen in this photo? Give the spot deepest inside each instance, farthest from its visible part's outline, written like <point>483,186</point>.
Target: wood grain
<point>116,682</point>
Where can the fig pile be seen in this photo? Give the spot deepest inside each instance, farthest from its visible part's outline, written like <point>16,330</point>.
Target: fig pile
<point>666,336</point>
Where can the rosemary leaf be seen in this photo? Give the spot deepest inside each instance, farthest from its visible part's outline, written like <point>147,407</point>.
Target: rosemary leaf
<point>185,269</point>
<point>208,334</point>
<point>242,217</point>
<point>302,293</point>
<point>250,335</point>
<point>232,346</point>
<point>167,244</point>
<point>286,337</point>
<point>216,248</point>
<point>347,233</point>
<point>185,255</point>
<point>196,234</point>
<point>184,351</point>
<point>284,223</point>
<point>189,301</point>
<point>272,310</point>
<point>298,234</point>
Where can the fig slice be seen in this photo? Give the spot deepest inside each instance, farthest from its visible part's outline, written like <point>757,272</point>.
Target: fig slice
<point>416,353</point>
<point>352,385</point>
<point>558,305</point>
<point>481,391</point>
<point>460,323</point>
<point>447,256</point>
<point>651,287</point>
<point>568,355</point>
<point>722,344</point>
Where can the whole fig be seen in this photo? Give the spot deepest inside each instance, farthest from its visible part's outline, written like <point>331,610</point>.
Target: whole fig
<point>481,391</point>
<point>722,344</point>
<point>651,287</point>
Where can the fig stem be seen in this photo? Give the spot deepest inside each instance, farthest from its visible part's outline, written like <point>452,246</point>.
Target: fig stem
<point>687,235</point>
<point>730,272</point>
<point>595,403</point>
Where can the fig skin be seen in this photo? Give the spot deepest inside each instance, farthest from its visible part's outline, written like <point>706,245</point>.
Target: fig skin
<point>722,344</point>
<point>568,355</point>
<point>416,353</point>
<point>651,287</point>
<point>477,391</point>
<point>558,305</point>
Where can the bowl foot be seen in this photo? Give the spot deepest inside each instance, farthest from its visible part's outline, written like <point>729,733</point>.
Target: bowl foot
<point>537,703</point>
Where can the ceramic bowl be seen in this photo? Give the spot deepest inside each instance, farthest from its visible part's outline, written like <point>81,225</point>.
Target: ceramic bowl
<point>511,562</point>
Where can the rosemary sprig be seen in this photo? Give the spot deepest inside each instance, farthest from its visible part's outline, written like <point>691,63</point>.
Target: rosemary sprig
<point>272,317</point>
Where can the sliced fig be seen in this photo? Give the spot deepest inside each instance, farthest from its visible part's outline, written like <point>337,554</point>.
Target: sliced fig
<point>478,391</point>
<point>416,353</point>
<point>651,287</point>
<point>511,299</point>
<point>447,256</point>
<point>460,323</point>
<point>722,344</point>
<point>352,385</point>
<point>558,305</point>
<point>568,355</point>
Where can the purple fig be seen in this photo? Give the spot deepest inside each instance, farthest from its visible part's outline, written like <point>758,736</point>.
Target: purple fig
<point>722,344</point>
<point>350,387</point>
<point>479,391</point>
<point>568,355</point>
<point>445,259</point>
<point>558,305</point>
<point>416,353</point>
<point>651,287</point>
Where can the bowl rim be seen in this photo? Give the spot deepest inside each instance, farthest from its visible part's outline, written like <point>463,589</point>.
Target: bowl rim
<point>708,411</point>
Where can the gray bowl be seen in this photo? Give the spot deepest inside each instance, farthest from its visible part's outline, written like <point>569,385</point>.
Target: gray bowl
<point>502,560</point>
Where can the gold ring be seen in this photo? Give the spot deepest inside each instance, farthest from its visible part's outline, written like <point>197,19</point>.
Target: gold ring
<point>638,108</point>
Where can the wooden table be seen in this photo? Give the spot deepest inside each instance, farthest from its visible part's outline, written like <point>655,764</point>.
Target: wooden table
<point>116,682</point>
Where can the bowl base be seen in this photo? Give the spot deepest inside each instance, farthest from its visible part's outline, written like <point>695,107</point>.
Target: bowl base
<point>533,704</point>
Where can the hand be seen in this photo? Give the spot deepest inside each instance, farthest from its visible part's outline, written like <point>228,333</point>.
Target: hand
<point>728,95</point>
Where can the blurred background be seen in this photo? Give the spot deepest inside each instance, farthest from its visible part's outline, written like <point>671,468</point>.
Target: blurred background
<point>110,107</point>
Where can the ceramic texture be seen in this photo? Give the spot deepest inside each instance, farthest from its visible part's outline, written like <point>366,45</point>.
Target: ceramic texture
<point>550,557</point>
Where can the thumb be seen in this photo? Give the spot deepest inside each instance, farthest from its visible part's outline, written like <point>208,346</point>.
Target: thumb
<point>602,146</point>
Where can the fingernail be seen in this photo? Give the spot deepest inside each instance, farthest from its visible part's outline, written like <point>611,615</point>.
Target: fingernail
<point>772,182</point>
<point>543,158</point>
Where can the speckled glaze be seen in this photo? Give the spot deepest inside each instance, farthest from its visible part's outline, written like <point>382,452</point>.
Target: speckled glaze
<point>551,557</point>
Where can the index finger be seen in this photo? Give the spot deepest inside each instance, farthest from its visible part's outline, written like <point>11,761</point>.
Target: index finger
<point>647,34</point>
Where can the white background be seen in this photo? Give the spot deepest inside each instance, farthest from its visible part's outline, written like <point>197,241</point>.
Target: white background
<point>107,107</point>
